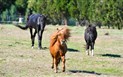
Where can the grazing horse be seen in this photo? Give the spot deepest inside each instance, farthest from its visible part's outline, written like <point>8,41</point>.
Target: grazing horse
<point>36,22</point>
<point>58,47</point>
<point>90,37</point>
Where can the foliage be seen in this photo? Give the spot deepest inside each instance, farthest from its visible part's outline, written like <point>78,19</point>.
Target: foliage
<point>5,4</point>
<point>13,12</point>
<point>5,15</point>
<point>107,12</point>
<point>21,6</point>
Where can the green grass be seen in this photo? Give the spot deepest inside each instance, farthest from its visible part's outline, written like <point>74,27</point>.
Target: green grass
<point>18,59</point>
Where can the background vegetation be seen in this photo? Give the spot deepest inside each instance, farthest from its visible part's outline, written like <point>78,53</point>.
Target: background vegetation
<point>106,12</point>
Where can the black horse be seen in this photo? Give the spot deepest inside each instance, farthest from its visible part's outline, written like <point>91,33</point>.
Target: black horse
<point>36,22</point>
<point>90,37</point>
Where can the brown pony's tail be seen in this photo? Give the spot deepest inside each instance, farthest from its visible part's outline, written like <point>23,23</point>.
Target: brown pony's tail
<point>21,27</point>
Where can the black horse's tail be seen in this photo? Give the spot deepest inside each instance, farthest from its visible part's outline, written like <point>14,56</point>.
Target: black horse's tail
<point>22,27</point>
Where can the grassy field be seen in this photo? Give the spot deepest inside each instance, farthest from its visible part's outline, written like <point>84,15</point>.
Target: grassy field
<point>18,59</point>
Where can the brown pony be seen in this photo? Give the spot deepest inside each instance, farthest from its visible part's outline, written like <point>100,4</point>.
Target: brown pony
<point>58,47</point>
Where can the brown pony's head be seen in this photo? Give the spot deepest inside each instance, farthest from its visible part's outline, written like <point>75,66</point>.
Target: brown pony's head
<point>63,34</point>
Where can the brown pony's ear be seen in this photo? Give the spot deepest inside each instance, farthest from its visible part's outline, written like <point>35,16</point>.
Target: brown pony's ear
<point>57,29</point>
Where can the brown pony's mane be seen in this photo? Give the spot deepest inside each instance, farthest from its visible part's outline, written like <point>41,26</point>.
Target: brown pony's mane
<point>63,31</point>
<point>66,32</point>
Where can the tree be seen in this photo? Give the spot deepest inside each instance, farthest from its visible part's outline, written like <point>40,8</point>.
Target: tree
<point>13,12</point>
<point>107,12</point>
<point>5,15</point>
<point>5,4</point>
<point>21,6</point>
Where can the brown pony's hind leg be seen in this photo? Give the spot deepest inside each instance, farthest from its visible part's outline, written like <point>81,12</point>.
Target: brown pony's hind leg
<point>63,63</point>
<point>58,61</point>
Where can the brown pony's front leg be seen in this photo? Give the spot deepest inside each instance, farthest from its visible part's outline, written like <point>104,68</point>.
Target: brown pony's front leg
<point>63,63</point>
<point>55,65</point>
<point>52,63</point>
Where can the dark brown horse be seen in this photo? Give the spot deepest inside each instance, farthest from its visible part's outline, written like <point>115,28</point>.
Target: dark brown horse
<point>58,47</point>
<point>36,22</point>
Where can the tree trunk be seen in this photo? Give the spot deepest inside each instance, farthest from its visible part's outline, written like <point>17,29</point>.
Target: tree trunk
<point>65,21</point>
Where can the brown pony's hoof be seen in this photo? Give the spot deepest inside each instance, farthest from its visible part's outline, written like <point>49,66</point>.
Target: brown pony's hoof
<point>56,71</point>
<point>63,70</point>
<point>52,67</point>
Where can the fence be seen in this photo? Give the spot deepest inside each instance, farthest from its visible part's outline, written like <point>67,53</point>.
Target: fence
<point>10,19</point>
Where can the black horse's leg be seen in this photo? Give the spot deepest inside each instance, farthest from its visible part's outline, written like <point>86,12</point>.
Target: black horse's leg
<point>32,36</point>
<point>87,49</point>
<point>92,49</point>
<point>39,39</point>
<point>40,32</point>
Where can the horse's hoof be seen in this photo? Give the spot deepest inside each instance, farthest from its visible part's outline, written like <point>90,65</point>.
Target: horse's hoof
<point>63,70</point>
<point>87,54</point>
<point>52,67</point>
<point>56,71</point>
<point>32,47</point>
<point>39,48</point>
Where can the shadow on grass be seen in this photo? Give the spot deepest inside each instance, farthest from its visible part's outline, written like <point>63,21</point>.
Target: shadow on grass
<point>44,48</point>
<point>111,55</point>
<point>84,71</point>
<point>72,50</point>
